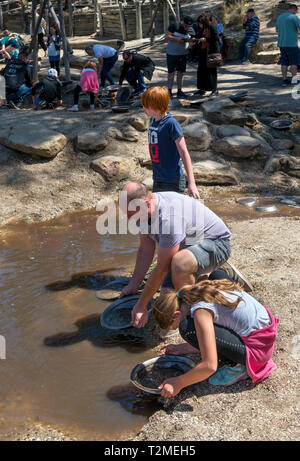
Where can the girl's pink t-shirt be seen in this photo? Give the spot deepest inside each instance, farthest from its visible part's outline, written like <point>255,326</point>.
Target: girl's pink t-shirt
<point>89,81</point>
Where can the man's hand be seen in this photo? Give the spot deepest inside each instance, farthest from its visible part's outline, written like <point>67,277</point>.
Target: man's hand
<point>193,191</point>
<point>170,388</point>
<point>139,317</point>
<point>128,290</point>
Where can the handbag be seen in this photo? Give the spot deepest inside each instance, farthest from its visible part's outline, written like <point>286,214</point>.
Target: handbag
<point>214,60</point>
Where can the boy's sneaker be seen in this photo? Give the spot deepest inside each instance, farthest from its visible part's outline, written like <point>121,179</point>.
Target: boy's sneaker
<point>12,105</point>
<point>181,94</point>
<point>225,376</point>
<point>73,109</point>
<point>236,275</point>
<point>285,83</point>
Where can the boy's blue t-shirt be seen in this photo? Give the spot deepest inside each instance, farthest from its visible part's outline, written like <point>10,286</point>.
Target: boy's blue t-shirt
<point>165,157</point>
<point>287,26</point>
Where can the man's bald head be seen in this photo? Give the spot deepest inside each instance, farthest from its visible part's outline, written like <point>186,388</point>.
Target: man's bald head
<point>136,190</point>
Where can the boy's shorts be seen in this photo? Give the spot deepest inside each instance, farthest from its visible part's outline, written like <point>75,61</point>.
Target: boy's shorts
<point>179,186</point>
<point>176,63</point>
<point>210,254</point>
<point>290,56</point>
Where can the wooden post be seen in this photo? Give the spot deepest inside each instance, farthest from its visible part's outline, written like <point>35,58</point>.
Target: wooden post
<point>122,21</point>
<point>153,16</point>
<point>34,42</point>
<point>178,10</point>
<point>138,19</point>
<point>64,41</point>
<point>71,32</point>
<point>152,34</point>
<point>1,18</point>
<point>36,23</point>
<point>101,32</point>
<point>165,15</point>
<point>55,19</point>
<point>172,9</point>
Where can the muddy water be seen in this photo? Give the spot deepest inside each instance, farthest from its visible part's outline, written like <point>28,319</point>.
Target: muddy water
<point>61,367</point>
<point>79,379</point>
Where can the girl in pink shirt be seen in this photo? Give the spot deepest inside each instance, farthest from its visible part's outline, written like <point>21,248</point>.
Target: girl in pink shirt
<point>224,322</point>
<point>88,83</point>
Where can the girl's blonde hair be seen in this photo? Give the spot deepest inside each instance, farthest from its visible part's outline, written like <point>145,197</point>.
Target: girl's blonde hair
<point>90,64</point>
<point>209,291</point>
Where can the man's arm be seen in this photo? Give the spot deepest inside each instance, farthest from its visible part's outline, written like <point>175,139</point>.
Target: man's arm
<point>171,38</point>
<point>144,259</point>
<point>164,259</point>
<point>101,62</point>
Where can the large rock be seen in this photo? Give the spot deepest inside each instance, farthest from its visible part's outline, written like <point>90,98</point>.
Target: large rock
<point>139,122</point>
<point>197,136</point>
<point>283,162</point>
<point>209,172</point>
<point>282,144</point>
<point>43,142</point>
<point>237,146</point>
<point>223,111</point>
<point>267,57</point>
<point>231,130</point>
<point>114,168</point>
<point>91,142</point>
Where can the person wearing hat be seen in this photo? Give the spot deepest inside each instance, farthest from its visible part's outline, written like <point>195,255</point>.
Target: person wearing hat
<point>177,49</point>
<point>135,68</point>
<point>48,90</point>
<point>251,25</point>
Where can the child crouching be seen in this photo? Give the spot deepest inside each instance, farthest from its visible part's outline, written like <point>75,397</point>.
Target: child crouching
<point>88,83</point>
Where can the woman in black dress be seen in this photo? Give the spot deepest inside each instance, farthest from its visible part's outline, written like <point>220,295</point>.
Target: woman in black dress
<point>207,43</point>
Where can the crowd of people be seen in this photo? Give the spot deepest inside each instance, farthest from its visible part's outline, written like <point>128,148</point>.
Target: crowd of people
<point>201,41</point>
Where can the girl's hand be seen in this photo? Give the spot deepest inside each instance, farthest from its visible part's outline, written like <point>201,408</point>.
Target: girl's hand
<point>128,290</point>
<point>193,191</point>
<point>170,388</point>
<point>139,317</point>
<point>203,39</point>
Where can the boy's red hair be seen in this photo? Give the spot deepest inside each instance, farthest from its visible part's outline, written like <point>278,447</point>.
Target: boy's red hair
<point>156,98</point>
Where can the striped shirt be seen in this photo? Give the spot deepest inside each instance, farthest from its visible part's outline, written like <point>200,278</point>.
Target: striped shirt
<point>252,27</point>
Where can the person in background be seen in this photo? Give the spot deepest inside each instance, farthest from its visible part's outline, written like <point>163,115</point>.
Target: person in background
<point>107,57</point>
<point>287,26</point>
<point>135,67</point>
<point>9,45</point>
<point>211,18</point>
<point>167,145</point>
<point>251,25</point>
<point>217,318</point>
<point>88,83</point>
<point>18,82</point>
<point>49,91</point>
<point>41,33</point>
<point>207,42</point>
<point>53,45</point>
<point>177,50</point>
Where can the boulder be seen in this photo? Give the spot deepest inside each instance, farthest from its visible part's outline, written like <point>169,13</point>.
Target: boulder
<point>224,111</point>
<point>114,168</point>
<point>209,173</point>
<point>91,142</point>
<point>283,162</point>
<point>267,57</point>
<point>231,130</point>
<point>139,122</point>
<point>282,144</point>
<point>128,134</point>
<point>43,142</point>
<point>239,147</point>
<point>197,136</point>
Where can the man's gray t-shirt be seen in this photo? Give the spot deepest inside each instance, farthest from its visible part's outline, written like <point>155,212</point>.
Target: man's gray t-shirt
<point>177,48</point>
<point>248,316</point>
<point>182,219</point>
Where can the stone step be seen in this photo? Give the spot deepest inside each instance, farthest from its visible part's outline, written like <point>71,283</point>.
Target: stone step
<point>267,57</point>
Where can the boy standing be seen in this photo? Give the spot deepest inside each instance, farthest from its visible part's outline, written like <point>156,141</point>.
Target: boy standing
<point>167,145</point>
